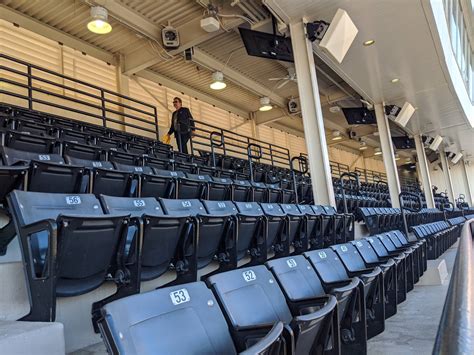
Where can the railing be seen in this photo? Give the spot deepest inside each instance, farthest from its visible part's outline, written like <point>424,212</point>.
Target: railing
<point>336,168</point>
<point>36,86</point>
<point>234,144</point>
<point>370,176</point>
<point>456,328</point>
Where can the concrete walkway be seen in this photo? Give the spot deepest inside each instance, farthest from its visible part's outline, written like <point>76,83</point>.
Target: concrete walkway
<point>413,329</point>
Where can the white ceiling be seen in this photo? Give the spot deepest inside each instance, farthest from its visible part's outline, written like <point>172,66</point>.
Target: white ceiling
<point>404,48</point>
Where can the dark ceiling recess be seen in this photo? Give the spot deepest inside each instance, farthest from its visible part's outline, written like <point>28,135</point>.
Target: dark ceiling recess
<point>267,45</point>
<point>403,142</point>
<point>359,115</point>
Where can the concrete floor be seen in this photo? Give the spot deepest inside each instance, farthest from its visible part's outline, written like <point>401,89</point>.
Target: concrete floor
<point>411,331</point>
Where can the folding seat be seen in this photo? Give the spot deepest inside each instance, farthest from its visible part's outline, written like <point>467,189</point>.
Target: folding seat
<point>31,143</point>
<point>259,191</point>
<point>147,324</point>
<point>34,128</point>
<point>303,290</point>
<point>313,227</point>
<point>405,266</point>
<point>346,267</point>
<point>220,188</point>
<point>297,228</point>
<point>74,136</point>
<point>158,163</point>
<point>277,230</point>
<point>83,151</point>
<point>194,186</point>
<point>384,292</point>
<point>274,193</point>
<point>288,194</point>
<point>242,190</point>
<point>186,167</point>
<point>416,249</point>
<point>69,247</point>
<point>371,219</point>
<point>251,298</point>
<point>163,183</point>
<point>212,231</point>
<point>109,143</point>
<point>394,274</point>
<point>328,226</point>
<point>163,241</point>
<point>137,149</point>
<point>350,295</point>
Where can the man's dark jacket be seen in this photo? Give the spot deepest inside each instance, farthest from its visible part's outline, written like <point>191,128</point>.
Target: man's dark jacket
<point>184,124</point>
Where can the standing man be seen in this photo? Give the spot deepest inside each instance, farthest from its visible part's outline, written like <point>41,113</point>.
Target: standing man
<point>182,125</point>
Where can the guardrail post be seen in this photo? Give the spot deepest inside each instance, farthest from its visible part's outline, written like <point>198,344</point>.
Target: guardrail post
<point>30,89</point>
<point>102,105</point>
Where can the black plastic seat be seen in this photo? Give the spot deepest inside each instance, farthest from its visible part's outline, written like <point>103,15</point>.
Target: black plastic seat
<point>297,229</point>
<point>164,239</point>
<point>241,190</point>
<point>277,230</point>
<point>220,188</point>
<point>212,231</point>
<point>194,186</point>
<point>68,245</point>
<point>146,324</point>
<point>31,143</point>
<point>352,312</point>
<point>161,184</point>
<point>314,227</point>
<point>251,297</point>
<point>374,282</point>
<point>260,192</point>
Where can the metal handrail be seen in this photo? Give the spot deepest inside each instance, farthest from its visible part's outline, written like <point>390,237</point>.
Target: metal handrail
<point>102,98</point>
<point>456,328</point>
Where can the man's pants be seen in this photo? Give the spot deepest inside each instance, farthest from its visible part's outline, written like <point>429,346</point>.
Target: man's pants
<point>182,141</point>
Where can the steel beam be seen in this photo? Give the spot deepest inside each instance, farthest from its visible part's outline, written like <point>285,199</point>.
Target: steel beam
<point>388,155</point>
<point>447,174</point>
<point>424,171</point>
<point>313,121</point>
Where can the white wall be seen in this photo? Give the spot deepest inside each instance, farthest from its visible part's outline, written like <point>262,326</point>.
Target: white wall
<point>457,178</point>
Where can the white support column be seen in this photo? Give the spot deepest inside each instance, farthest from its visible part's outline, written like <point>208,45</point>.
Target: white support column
<point>312,116</point>
<point>467,185</point>
<point>447,174</point>
<point>423,171</point>
<point>388,155</point>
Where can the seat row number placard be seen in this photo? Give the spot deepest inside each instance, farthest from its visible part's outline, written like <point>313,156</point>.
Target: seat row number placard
<point>180,296</point>
<point>249,275</point>
<point>73,200</point>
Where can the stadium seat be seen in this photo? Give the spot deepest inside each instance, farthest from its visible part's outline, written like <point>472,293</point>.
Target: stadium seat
<point>69,246</point>
<point>297,228</point>
<point>161,184</point>
<point>242,190</point>
<point>277,230</point>
<point>212,231</point>
<point>314,227</point>
<point>182,319</point>
<point>251,297</point>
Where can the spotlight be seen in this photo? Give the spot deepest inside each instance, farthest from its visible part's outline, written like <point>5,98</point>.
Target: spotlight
<point>394,80</point>
<point>397,157</point>
<point>369,42</point>
<point>336,37</point>
<point>377,151</point>
<point>436,143</point>
<point>218,81</point>
<point>265,104</point>
<point>363,146</point>
<point>98,23</point>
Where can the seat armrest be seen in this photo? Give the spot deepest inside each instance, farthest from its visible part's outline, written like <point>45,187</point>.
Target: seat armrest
<point>272,337</point>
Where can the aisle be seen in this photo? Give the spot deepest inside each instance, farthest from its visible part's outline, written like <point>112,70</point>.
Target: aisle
<point>413,329</point>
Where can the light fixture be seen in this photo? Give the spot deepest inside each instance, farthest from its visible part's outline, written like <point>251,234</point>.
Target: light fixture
<point>218,81</point>
<point>98,23</point>
<point>394,80</point>
<point>334,109</point>
<point>336,135</point>
<point>457,158</point>
<point>363,146</point>
<point>377,151</point>
<point>265,104</point>
<point>436,143</point>
<point>408,160</point>
<point>369,42</point>
<point>397,157</point>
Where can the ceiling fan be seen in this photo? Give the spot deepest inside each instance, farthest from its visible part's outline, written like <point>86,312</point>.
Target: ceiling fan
<point>291,76</point>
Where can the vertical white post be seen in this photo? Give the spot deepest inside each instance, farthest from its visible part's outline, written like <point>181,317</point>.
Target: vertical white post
<point>423,171</point>
<point>312,116</point>
<point>388,155</point>
<point>467,186</point>
<point>447,174</point>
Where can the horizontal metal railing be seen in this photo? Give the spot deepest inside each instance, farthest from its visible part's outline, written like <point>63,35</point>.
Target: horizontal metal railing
<point>235,144</point>
<point>456,328</point>
<point>38,85</point>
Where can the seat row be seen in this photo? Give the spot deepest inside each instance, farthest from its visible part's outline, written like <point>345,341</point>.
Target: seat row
<point>439,236</point>
<point>142,238</point>
<point>378,220</point>
<point>326,301</point>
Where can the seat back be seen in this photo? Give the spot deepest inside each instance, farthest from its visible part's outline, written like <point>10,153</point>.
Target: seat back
<point>276,228</point>
<point>183,319</point>
<point>366,251</point>
<point>350,257</point>
<point>328,265</point>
